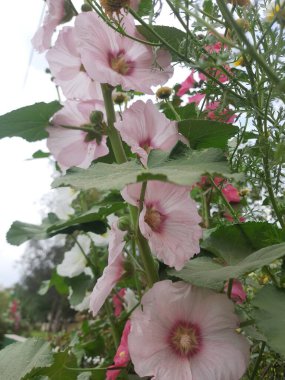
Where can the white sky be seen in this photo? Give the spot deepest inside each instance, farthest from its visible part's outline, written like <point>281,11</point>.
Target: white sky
<point>24,181</point>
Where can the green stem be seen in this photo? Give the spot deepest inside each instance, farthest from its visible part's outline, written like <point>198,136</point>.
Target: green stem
<point>115,333</point>
<point>113,134</point>
<point>147,259</point>
<point>230,287</point>
<point>258,361</point>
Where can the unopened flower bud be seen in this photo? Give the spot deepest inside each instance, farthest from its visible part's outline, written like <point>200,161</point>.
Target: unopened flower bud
<point>120,98</point>
<point>243,24</point>
<point>124,223</point>
<point>86,8</point>
<point>114,6</point>
<point>163,92</point>
<point>96,117</point>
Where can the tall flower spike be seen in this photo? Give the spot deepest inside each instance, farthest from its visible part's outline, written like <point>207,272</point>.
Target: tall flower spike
<point>183,332</point>
<point>67,68</point>
<point>169,220</point>
<point>119,59</point>
<point>113,271</point>
<point>54,15</point>
<point>72,147</point>
<point>144,128</point>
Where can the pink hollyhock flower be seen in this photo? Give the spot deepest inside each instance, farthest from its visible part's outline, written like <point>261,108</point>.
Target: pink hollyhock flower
<point>42,38</point>
<point>119,60</point>
<point>183,332</point>
<point>145,128</point>
<point>202,77</point>
<point>118,302</point>
<point>214,48</point>
<point>231,219</point>
<point>113,271</point>
<point>230,192</point>
<point>72,147</point>
<point>219,74</point>
<point>238,295</point>
<point>67,68</point>
<point>196,98</point>
<point>187,84</point>
<point>214,113</point>
<point>122,356</point>
<point>169,220</point>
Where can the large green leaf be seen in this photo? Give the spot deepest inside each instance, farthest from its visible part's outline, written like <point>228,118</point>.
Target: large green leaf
<point>173,36</point>
<point>184,171</point>
<point>28,122</point>
<point>90,221</point>
<point>206,133</point>
<point>203,271</point>
<point>270,316</point>
<point>18,359</point>
<point>235,242</point>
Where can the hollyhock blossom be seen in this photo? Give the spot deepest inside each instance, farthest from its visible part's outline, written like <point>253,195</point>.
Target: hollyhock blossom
<point>230,192</point>
<point>144,128</point>
<point>113,271</point>
<point>169,220</point>
<point>196,98</point>
<point>72,147</point>
<point>119,59</point>
<point>231,219</point>
<point>74,261</point>
<point>183,332</point>
<point>187,84</point>
<point>55,13</point>
<point>215,113</point>
<point>118,302</point>
<point>122,356</point>
<point>67,69</point>
<point>238,295</point>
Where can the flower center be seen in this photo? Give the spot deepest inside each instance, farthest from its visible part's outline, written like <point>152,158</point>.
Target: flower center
<point>146,145</point>
<point>185,339</point>
<point>120,64</point>
<point>154,218</point>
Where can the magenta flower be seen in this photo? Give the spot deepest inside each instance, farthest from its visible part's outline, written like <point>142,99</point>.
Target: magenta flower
<point>54,15</point>
<point>111,58</point>
<point>113,271</point>
<point>118,302</point>
<point>231,219</point>
<point>169,220</point>
<point>122,356</point>
<point>67,68</point>
<point>215,113</point>
<point>72,147</point>
<point>183,332</point>
<point>145,128</point>
<point>230,192</point>
<point>187,84</point>
<point>238,295</point>
<point>196,98</point>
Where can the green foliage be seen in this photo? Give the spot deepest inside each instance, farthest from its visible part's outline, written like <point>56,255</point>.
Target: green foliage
<point>28,122</point>
<point>203,271</point>
<point>41,154</point>
<point>79,286</point>
<point>89,221</point>
<point>145,7</point>
<point>270,316</point>
<point>18,359</point>
<point>173,36</point>
<point>184,171</point>
<point>207,133</point>
<point>56,281</point>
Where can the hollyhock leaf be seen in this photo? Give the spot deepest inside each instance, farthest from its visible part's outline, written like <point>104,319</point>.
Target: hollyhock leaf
<point>206,133</point>
<point>19,359</point>
<point>90,221</point>
<point>79,286</point>
<point>203,271</point>
<point>145,6</point>
<point>28,122</point>
<point>40,154</point>
<point>270,316</point>
<point>235,242</point>
<point>173,36</point>
<point>184,171</point>
<point>186,112</point>
<point>57,281</point>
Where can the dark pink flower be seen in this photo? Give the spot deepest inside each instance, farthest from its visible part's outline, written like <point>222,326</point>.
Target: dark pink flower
<point>238,295</point>
<point>67,68</point>
<point>187,84</point>
<point>109,57</point>
<point>231,219</point>
<point>55,13</point>
<point>214,48</point>
<point>118,302</point>
<point>144,128</point>
<point>169,220</point>
<point>122,356</point>
<point>230,192</point>
<point>216,113</point>
<point>113,271</point>
<point>184,332</point>
<point>196,98</point>
<point>72,147</point>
